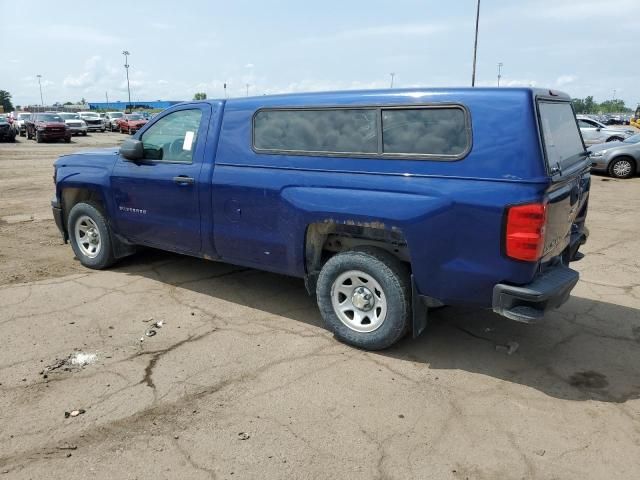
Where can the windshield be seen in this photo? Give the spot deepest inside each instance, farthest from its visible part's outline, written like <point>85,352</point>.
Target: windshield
<point>70,116</point>
<point>24,116</point>
<point>90,115</point>
<point>50,117</point>
<point>3,120</point>
<point>562,141</point>
<point>633,139</point>
<point>134,116</point>
<point>116,115</point>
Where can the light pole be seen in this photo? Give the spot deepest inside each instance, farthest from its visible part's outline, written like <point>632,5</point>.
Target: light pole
<point>499,72</point>
<point>392,75</point>
<point>40,84</point>
<point>475,46</point>
<point>126,66</point>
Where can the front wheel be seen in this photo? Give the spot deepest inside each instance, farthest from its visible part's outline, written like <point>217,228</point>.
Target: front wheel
<point>39,137</point>
<point>614,139</point>
<point>364,298</point>
<point>90,236</point>
<point>622,168</point>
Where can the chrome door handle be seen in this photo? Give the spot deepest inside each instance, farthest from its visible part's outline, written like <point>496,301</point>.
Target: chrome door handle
<point>183,180</point>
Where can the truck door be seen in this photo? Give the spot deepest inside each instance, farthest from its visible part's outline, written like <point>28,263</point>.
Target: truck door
<point>156,199</point>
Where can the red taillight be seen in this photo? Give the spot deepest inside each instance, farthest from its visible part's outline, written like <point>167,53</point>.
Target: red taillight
<point>524,231</point>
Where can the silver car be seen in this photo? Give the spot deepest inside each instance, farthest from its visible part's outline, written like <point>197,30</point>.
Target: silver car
<point>618,159</point>
<point>595,132</point>
<point>111,120</point>
<point>74,122</point>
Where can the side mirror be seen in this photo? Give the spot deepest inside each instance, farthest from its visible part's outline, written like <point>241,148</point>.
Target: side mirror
<point>598,129</point>
<point>132,149</point>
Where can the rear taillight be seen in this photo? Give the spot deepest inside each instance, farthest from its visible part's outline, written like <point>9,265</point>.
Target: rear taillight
<point>524,231</point>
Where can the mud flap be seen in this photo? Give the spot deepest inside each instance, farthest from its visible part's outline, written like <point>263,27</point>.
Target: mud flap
<point>419,310</point>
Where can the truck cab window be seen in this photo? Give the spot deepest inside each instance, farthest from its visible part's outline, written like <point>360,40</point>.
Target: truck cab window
<point>173,138</point>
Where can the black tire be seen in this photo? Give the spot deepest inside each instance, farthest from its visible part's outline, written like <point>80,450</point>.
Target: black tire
<point>67,140</point>
<point>615,139</point>
<point>23,134</point>
<point>104,257</point>
<point>392,276</point>
<point>84,134</point>
<point>39,137</point>
<point>121,130</point>
<point>29,137</point>
<point>622,167</point>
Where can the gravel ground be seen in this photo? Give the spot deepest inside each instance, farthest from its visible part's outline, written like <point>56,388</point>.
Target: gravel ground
<point>242,381</point>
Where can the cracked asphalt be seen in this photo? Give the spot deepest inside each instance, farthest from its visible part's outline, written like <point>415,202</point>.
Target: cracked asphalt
<point>242,380</point>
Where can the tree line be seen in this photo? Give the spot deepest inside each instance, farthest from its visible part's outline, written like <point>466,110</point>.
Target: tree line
<point>589,105</point>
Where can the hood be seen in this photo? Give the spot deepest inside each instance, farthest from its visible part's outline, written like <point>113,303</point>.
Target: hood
<point>136,122</point>
<point>99,157</point>
<point>608,146</point>
<point>604,146</point>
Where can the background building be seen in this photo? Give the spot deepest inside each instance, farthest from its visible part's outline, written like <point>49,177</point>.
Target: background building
<point>120,106</point>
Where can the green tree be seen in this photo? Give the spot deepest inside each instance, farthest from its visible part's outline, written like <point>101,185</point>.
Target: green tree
<point>589,105</point>
<point>68,103</point>
<point>5,101</point>
<point>578,105</point>
<point>200,96</point>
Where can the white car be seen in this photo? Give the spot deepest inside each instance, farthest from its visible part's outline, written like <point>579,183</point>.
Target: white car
<point>111,120</point>
<point>18,122</point>
<point>74,122</point>
<point>594,132</point>
<point>93,121</point>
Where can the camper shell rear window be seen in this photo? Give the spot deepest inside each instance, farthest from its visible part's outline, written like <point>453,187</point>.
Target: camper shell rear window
<point>441,132</point>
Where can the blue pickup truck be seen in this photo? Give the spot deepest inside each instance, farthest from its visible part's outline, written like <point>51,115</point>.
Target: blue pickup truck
<point>385,202</point>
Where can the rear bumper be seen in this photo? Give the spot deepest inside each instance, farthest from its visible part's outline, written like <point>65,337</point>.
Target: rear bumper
<point>529,303</point>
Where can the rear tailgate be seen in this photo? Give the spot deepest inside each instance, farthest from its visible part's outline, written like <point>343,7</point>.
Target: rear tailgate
<point>568,166</point>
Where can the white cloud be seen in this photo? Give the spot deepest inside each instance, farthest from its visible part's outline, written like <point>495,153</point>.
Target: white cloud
<point>392,30</point>
<point>565,80</point>
<point>249,65</point>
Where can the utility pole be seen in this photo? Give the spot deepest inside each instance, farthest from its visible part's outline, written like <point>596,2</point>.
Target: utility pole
<point>106,94</point>
<point>40,84</point>
<point>614,94</point>
<point>392,75</point>
<point>126,66</point>
<point>499,72</point>
<point>475,46</point>
<point>247,89</point>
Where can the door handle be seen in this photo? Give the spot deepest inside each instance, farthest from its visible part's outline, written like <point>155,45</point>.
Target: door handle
<point>183,180</point>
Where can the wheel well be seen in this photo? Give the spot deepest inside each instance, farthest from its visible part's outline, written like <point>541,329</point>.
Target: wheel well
<point>325,239</point>
<point>72,196</point>
<point>614,137</point>
<point>627,157</point>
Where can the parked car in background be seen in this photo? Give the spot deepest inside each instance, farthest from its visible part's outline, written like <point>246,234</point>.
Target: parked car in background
<point>75,123</point>
<point>7,131</point>
<point>386,202</point>
<point>18,122</point>
<point>47,126</point>
<point>93,121</point>
<point>131,123</point>
<point>618,159</point>
<point>595,132</point>
<point>111,118</point>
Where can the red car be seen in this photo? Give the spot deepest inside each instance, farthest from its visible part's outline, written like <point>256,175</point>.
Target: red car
<point>47,126</point>
<point>130,123</point>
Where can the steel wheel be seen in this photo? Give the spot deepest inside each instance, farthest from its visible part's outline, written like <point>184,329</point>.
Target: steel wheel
<point>359,301</point>
<point>88,236</point>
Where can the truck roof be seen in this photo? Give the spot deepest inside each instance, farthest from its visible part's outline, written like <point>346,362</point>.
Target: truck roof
<point>389,96</point>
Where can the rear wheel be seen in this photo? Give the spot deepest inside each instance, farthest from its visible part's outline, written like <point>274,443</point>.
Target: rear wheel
<point>364,298</point>
<point>623,167</point>
<point>615,139</point>
<point>90,236</point>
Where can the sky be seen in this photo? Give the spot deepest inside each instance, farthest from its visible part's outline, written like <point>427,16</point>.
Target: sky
<point>583,47</point>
